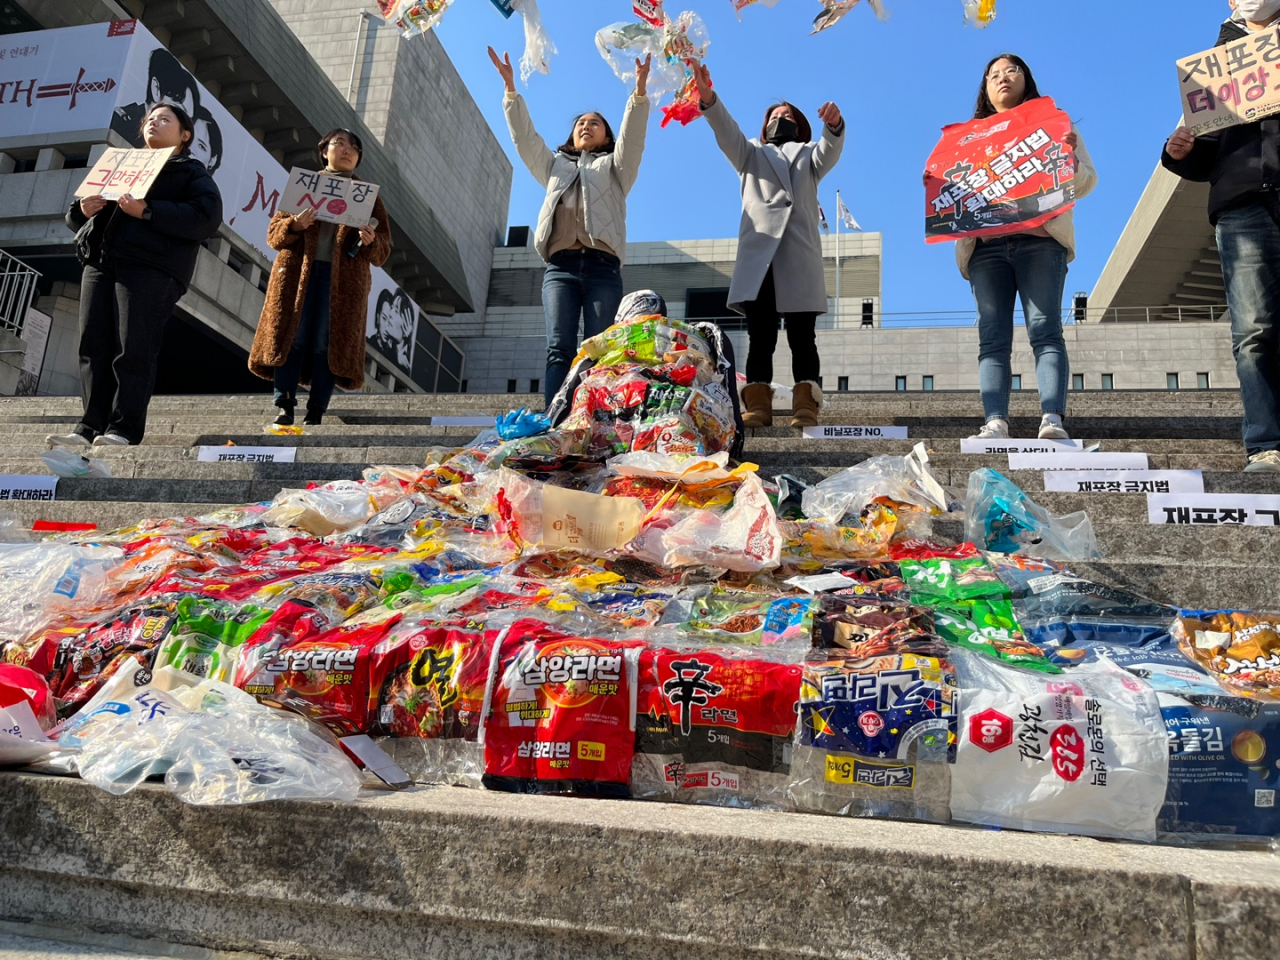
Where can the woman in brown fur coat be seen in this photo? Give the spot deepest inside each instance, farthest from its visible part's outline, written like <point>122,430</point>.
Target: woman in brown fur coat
<point>312,328</point>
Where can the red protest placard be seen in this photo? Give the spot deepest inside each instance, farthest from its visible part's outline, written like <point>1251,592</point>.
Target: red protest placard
<point>1005,174</point>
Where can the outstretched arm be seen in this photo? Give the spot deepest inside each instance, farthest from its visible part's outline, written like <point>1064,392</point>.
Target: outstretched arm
<point>533,150</point>
<point>831,143</point>
<point>728,135</point>
<point>635,127</point>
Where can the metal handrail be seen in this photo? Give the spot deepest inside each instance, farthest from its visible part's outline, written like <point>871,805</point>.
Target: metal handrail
<point>17,291</point>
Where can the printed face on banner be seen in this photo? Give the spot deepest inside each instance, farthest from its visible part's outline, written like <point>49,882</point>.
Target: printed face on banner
<point>392,325</point>
<point>1007,173</point>
<point>338,200</point>
<point>1238,82</point>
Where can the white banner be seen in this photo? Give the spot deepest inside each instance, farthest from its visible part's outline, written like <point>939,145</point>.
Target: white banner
<point>20,487</point>
<point>1214,509</point>
<point>1077,460</point>
<point>1020,446</point>
<point>247,454</point>
<point>825,432</point>
<point>1124,481</point>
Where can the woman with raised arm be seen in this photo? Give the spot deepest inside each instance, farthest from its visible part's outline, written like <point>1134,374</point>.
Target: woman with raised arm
<point>778,273</point>
<point>582,229</point>
<point>1031,264</point>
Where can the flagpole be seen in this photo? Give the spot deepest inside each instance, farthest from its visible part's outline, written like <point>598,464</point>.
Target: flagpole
<point>837,325</point>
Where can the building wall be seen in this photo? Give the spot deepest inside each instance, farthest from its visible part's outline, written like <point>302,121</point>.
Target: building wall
<point>411,97</point>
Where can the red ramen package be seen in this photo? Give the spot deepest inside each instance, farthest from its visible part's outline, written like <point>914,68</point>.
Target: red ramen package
<point>714,729</point>
<point>85,662</point>
<point>1240,650</point>
<point>870,628</point>
<point>561,714</point>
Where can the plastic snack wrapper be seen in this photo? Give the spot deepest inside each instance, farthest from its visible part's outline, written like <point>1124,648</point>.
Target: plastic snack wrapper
<point>991,628</point>
<point>23,685</point>
<point>714,730</point>
<point>1240,650</point>
<point>521,423</point>
<point>1002,518</point>
<point>205,642</point>
<point>875,736</point>
<point>560,713</point>
<point>870,628</point>
<point>951,582</point>
<point>980,13</point>
<point>88,660</point>
<point>321,511</point>
<point>835,10</point>
<point>737,618</point>
<point>40,582</point>
<point>899,480</point>
<point>412,17</point>
<point>1082,753</point>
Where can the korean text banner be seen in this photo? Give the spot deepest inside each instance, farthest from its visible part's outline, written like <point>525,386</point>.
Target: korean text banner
<point>1004,174</point>
<point>1238,82</point>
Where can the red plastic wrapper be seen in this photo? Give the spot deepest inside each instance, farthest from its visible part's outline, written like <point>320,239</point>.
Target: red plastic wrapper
<point>917,549</point>
<point>293,623</point>
<point>87,661</point>
<point>20,685</point>
<point>430,681</point>
<point>561,715</point>
<point>714,729</point>
<point>280,561</point>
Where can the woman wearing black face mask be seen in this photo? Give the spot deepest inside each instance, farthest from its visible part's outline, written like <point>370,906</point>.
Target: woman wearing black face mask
<point>778,272</point>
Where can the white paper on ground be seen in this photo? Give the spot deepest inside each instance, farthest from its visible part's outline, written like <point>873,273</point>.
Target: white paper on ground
<point>1214,509</point>
<point>1124,481</point>
<point>1078,460</point>
<point>463,421</point>
<point>248,454</point>
<point>1020,446</point>
<point>830,432</point>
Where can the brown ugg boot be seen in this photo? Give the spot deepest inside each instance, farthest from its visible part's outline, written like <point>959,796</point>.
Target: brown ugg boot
<point>758,399</point>
<point>806,401</point>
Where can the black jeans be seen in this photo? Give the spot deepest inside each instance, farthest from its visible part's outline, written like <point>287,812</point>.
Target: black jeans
<point>762,338</point>
<point>123,310</point>
<point>310,344</point>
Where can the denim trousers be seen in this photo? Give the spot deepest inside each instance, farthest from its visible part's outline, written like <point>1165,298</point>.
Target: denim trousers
<point>580,286</point>
<point>310,341</point>
<point>1033,269</point>
<point>123,310</point>
<point>762,338</point>
<point>1249,244</point>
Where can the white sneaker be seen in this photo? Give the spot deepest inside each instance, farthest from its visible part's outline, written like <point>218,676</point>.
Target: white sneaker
<point>993,430</point>
<point>66,440</point>
<point>1268,461</point>
<point>111,439</point>
<point>1051,428</point>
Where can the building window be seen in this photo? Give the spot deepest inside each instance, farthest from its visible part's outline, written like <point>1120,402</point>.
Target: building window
<point>1171,381</point>
<point>511,386</point>
<point>534,385</point>
<point>1016,381</point>
<point>1108,381</point>
<point>926,383</point>
<point>842,383</point>
<point>712,304</point>
<point>868,312</point>
<point>1202,381</point>
<point>464,386</point>
<point>1077,381</point>
<point>899,384</point>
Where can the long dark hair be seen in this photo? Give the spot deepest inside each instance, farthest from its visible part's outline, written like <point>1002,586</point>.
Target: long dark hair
<point>184,121</point>
<point>804,133</point>
<point>984,107</point>
<point>569,148</point>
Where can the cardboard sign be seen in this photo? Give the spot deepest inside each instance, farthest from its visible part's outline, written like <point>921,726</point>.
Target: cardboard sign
<point>22,487</point>
<point>584,521</point>
<point>248,454</point>
<point>1020,446</point>
<point>335,199</point>
<point>1238,82</point>
<point>1078,460</point>
<point>1005,174</point>
<point>120,171</point>
<point>855,433</point>
<point>1124,481</point>
<point>1214,509</point>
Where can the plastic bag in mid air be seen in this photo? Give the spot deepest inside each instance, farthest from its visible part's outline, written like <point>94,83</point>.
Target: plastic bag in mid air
<point>1002,518</point>
<point>979,12</point>
<point>412,17</point>
<point>833,11</point>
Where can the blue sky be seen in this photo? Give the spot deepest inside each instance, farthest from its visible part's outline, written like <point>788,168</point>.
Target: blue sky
<point>898,82</point>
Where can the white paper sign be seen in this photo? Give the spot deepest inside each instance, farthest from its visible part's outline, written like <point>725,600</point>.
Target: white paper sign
<point>1124,481</point>
<point>19,487</point>
<point>463,421</point>
<point>1078,460</point>
<point>1214,509</point>
<point>248,454</point>
<point>820,583</point>
<point>825,432</point>
<point>1020,446</point>
<point>341,200</point>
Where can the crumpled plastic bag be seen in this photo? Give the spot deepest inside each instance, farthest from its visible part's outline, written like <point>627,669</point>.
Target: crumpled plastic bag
<point>671,46</point>
<point>1002,518</point>
<point>740,5</point>
<point>897,479</point>
<point>42,581</point>
<point>66,463</point>
<point>538,48</point>
<point>835,10</point>
<point>412,17</point>
<point>521,423</point>
<point>13,530</point>
<point>980,13</point>
<point>333,508</point>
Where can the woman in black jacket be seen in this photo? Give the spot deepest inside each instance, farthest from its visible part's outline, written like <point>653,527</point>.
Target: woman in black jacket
<point>138,257</point>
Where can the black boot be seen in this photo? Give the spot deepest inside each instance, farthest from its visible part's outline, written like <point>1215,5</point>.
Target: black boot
<point>312,419</point>
<point>285,417</point>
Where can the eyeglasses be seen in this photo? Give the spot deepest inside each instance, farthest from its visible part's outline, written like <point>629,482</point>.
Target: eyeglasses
<point>1009,73</point>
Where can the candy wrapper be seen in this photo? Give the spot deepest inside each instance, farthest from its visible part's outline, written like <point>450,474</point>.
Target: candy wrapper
<point>875,737</point>
<point>1084,753</point>
<point>1240,650</point>
<point>714,729</point>
<point>870,628</point>
<point>740,5</point>
<point>833,11</point>
<point>412,17</point>
<point>980,13</point>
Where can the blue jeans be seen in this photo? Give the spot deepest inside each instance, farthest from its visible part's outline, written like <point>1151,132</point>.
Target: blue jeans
<point>1034,268</point>
<point>311,339</point>
<point>1249,242</point>
<point>581,285</point>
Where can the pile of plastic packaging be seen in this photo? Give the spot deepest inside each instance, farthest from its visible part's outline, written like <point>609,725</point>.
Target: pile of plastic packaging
<point>601,603</point>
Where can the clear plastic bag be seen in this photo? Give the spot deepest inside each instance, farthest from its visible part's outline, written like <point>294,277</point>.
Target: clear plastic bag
<point>13,530</point>
<point>1002,518</point>
<point>64,463</point>
<point>40,582</point>
<point>538,48</point>
<point>898,479</point>
<point>332,508</point>
<point>980,13</point>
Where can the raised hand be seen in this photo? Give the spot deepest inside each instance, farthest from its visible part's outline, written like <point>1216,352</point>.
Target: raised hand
<point>829,114</point>
<point>1180,144</point>
<point>303,220</point>
<point>702,77</point>
<point>1072,140</point>
<point>642,75</point>
<point>505,69</point>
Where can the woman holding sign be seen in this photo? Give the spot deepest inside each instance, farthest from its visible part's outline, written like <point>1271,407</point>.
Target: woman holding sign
<point>779,270</point>
<point>582,229</point>
<point>312,328</point>
<point>1030,264</point>
<point>138,257</point>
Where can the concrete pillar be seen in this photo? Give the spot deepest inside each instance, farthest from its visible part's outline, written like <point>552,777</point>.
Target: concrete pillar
<point>7,163</point>
<point>96,151</point>
<point>253,273</point>
<point>220,248</point>
<point>49,158</point>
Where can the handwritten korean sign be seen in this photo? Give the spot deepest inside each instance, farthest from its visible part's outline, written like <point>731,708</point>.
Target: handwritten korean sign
<point>1238,82</point>
<point>120,171</point>
<point>1007,173</point>
<point>340,200</point>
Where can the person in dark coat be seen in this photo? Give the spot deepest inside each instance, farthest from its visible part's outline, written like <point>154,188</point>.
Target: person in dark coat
<point>1242,165</point>
<point>138,256</point>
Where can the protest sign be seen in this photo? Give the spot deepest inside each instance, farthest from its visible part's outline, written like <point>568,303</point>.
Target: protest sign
<point>1010,445</point>
<point>1077,460</point>
<point>247,455</point>
<point>1214,509</point>
<point>1004,174</point>
<point>1238,82</point>
<point>340,200</point>
<point>120,171</point>
<point>836,432</point>
<point>24,487</point>
<point>1124,481</point>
